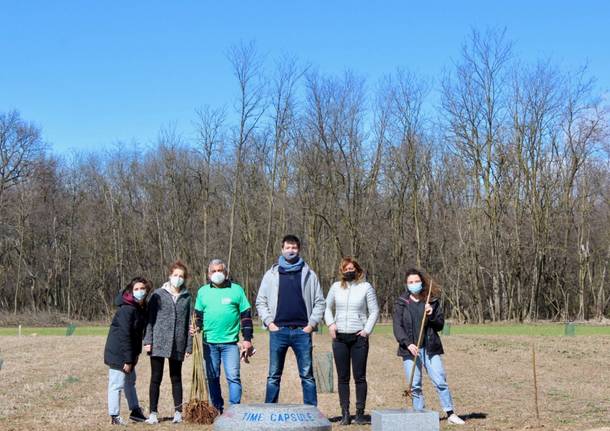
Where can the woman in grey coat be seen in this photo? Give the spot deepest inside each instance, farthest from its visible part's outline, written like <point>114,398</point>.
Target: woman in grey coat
<point>167,336</point>
<point>350,324</point>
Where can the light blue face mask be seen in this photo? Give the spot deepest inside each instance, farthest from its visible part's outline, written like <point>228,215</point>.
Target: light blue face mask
<point>415,288</point>
<point>139,295</point>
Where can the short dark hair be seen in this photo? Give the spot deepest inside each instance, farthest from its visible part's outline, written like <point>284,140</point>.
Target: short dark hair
<point>292,239</point>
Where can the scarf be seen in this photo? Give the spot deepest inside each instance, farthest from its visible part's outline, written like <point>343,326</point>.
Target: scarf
<point>291,267</point>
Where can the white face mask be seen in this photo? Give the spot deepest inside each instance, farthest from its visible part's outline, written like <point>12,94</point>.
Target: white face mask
<point>218,278</point>
<point>139,294</point>
<point>176,281</point>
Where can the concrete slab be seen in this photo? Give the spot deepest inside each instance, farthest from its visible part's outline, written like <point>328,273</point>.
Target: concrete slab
<point>268,417</point>
<point>404,420</point>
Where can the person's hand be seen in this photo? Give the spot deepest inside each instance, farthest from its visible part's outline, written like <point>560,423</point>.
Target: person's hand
<point>246,351</point>
<point>273,327</point>
<point>148,348</point>
<point>363,334</point>
<point>413,349</point>
<point>428,309</point>
<point>127,368</point>
<point>332,330</point>
<point>193,329</point>
<point>187,354</point>
<point>308,329</point>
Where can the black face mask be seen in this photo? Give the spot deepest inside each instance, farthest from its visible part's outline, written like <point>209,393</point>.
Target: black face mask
<point>349,276</point>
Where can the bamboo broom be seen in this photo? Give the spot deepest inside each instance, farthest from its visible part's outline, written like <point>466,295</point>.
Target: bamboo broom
<point>198,410</point>
<point>409,392</point>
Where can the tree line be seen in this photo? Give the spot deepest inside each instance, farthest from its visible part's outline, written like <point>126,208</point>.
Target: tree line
<point>494,178</point>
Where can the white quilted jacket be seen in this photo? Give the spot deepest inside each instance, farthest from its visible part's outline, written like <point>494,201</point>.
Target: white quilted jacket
<point>353,308</point>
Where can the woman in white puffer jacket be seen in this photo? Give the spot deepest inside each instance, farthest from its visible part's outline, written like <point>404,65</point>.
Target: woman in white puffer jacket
<point>351,313</point>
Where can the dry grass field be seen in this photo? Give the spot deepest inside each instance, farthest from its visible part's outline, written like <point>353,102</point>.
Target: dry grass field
<point>59,383</point>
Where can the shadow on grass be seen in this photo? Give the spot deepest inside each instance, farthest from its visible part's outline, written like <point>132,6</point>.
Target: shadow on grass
<point>367,418</point>
<point>466,417</point>
<point>469,416</point>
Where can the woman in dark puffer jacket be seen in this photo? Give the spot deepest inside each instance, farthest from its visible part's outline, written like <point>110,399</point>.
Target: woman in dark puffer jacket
<point>408,314</point>
<point>123,346</point>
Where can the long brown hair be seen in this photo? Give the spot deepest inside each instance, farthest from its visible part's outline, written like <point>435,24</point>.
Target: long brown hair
<point>359,271</point>
<point>427,283</point>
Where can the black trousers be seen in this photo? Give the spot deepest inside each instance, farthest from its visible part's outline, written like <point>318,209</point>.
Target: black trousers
<point>156,376</point>
<point>351,349</point>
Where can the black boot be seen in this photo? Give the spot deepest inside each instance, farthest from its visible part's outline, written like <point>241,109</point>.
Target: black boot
<point>345,417</point>
<point>360,420</point>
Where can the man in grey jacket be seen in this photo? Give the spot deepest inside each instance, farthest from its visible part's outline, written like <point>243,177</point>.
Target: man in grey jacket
<point>290,302</point>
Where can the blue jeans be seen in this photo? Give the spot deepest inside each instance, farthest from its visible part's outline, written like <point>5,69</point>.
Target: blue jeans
<point>119,381</point>
<point>228,354</point>
<point>436,371</point>
<point>300,342</point>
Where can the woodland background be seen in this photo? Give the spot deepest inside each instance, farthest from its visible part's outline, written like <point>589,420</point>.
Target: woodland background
<point>494,177</point>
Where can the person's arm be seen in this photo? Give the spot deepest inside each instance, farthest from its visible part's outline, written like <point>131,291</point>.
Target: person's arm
<point>189,336</point>
<point>247,329</point>
<point>436,320</point>
<point>198,323</point>
<point>373,308</point>
<point>319,305</point>
<point>262,300</point>
<point>329,315</point>
<point>198,319</point>
<point>125,319</point>
<point>153,308</point>
<point>401,333</point>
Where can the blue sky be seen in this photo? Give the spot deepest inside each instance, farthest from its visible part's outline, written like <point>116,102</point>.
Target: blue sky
<point>93,73</point>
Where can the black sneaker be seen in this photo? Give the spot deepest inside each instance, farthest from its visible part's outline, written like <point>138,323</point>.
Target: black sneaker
<point>346,419</point>
<point>137,415</point>
<point>360,419</point>
<point>117,420</point>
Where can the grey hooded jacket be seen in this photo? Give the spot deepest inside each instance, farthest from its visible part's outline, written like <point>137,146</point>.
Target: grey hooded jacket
<point>266,300</point>
<point>168,324</point>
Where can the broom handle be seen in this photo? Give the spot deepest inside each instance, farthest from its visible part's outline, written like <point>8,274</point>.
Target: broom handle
<point>198,359</point>
<point>419,339</point>
<point>194,374</point>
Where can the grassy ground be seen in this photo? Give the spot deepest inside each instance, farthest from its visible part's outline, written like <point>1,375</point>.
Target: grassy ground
<point>552,330</point>
<point>59,383</point>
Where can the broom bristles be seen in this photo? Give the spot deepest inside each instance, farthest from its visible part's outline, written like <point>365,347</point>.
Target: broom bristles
<point>198,410</point>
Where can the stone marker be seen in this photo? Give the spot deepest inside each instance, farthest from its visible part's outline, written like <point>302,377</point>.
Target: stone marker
<point>70,329</point>
<point>323,372</point>
<point>268,417</point>
<point>1,363</point>
<point>404,420</point>
<point>569,329</point>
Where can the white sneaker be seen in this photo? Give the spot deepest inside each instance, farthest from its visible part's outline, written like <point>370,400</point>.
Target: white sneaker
<point>177,417</point>
<point>455,420</point>
<point>152,419</point>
